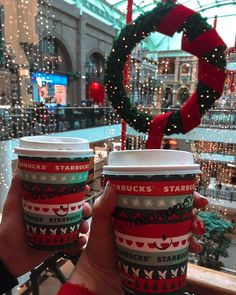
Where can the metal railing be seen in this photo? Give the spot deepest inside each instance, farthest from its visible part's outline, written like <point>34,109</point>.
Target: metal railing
<point>18,122</point>
<point>219,194</point>
<point>214,118</point>
<point>221,119</point>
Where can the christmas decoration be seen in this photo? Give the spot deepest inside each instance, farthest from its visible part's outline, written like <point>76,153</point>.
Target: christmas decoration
<point>215,243</point>
<point>199,39</point>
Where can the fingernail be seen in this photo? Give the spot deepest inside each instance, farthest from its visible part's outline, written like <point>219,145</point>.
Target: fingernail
<point>203,201</point>
<point>201,227</point>
<point>106,191</point>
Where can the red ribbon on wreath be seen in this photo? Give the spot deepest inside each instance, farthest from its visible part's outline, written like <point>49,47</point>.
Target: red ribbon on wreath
<point>208,74</point>
<point>156,131</point>
<point>174,20</point>
<point>198,46</point>
<point>211,74</point>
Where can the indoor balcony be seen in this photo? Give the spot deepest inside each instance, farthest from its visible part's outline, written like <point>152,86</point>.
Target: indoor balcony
<point>18,122</point>
<point>166,77</point>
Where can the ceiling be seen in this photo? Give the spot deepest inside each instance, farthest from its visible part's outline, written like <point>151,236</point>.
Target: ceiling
<point>225,10</point>
<point>197,5</point>
<point>113,12</point>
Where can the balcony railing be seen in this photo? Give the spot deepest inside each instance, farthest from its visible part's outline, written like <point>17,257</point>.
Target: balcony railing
<point>203,281</point>
<point>166,77</point>
<point>222,194</point>
<point>214,118</point>
<point>219,119</point>
<point>18,122</point>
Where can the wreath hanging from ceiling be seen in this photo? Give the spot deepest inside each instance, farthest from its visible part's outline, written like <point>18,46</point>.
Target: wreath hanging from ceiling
<point>199,39</point>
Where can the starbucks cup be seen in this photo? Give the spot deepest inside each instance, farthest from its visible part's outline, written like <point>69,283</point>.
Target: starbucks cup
<point>53,172</point>
<point>152,220</point>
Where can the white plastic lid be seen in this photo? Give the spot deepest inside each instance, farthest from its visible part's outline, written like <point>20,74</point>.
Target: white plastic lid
<point>150,162</point>
<point>51,146</point>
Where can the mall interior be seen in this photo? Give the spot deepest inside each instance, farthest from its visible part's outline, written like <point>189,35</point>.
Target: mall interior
<point>53,81</point>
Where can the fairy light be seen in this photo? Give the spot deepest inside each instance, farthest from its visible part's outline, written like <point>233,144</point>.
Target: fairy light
<point>21,55</point>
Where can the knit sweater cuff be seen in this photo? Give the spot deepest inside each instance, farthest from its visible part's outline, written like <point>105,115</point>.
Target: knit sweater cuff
<point>73,289</point>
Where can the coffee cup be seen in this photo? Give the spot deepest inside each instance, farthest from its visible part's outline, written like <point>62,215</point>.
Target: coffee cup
<point>53,172</point>
<point>153,217</point>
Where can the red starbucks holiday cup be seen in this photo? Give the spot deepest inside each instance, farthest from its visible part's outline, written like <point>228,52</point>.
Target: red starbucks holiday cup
<point>54,172</point>
<point>152,220</point>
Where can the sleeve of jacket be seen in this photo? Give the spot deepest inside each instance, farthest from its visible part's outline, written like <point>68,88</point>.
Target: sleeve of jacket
<point>7,280</point>
<point>73,289</point>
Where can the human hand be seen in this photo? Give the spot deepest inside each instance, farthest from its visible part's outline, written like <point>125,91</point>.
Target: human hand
<point>15,253</point>
<point>97,267</point>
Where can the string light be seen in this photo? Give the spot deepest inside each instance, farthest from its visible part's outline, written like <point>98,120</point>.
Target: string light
<point>22,54</point>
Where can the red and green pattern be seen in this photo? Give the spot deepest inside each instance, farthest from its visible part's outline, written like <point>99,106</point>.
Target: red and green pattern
<point>53,191</point>
<point>152,225</point>
<point>199,39</point>
<point>47,166</point>
<point>153,188</point>
<point>45,242</point>
<point>50,191</point>
<point>173,286</point>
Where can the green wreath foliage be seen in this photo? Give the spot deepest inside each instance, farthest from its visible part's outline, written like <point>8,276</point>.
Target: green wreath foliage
<point>123,45</point>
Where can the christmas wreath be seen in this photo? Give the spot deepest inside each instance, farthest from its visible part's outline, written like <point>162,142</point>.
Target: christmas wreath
<point>199,39</point>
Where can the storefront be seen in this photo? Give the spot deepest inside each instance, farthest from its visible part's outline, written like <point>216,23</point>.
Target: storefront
<point>95,93</point>
<point>49,88</point>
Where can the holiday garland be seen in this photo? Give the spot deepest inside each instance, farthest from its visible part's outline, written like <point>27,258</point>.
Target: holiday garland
<point>199,39</point>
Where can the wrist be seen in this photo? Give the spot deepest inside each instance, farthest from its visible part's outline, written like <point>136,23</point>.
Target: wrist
<point>96,281</point>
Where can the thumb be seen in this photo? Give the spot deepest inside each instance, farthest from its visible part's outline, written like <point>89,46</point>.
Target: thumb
<point>102,211</point>
<point>13,200</point>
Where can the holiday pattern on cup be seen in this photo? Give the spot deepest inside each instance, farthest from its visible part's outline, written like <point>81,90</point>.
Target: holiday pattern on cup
<point>162,258</point>
<point>142,286</point>
<point>152,223</point>
<point>152,230</point>
<point>42,241</point>
<point>160,203</point>
<point>152,177</point>
<point>51,198</point>
<point>153,272</point>
<point>52,230</point>
<point>154,245</point>
<point>57,209</point>
<point>54,178</point>
<point>153,188</point>
<point>171,215</point>
<point>154,279</point>
<point>53,219</point>
<point>52,165</point>
<point>53,191</point>
<point>58,229</point>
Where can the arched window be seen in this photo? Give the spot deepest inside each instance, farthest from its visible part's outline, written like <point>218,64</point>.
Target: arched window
<point>185,72</point>
<point>183,95</point>
<point>167,98</point>
<point>97,64</point>
<point>53,56</point>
